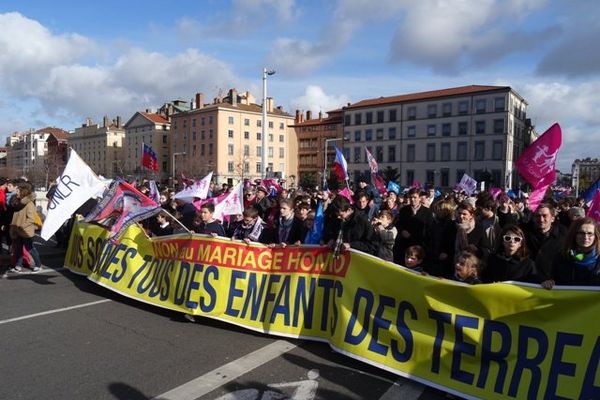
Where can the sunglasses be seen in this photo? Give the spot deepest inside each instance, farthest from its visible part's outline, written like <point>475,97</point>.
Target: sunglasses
<point>509,238</point>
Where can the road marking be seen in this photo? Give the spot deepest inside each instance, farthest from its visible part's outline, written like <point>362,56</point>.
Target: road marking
<point>218,377</point>
<point>93,303</point>
<point>403,389</point>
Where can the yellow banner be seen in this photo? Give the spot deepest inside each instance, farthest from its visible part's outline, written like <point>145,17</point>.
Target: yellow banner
<point>486,341</point>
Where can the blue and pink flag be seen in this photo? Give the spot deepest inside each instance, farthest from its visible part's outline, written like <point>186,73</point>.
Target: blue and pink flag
<point>340,167</point>
<point>590,192</point>
<point>594,210</point>
<point>149,158</point>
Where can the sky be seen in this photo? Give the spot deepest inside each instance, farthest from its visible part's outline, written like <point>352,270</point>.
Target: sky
<point>63,61</point>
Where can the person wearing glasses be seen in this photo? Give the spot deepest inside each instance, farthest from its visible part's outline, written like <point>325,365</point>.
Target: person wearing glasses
<point>511,260</point>
<point>578,263</point>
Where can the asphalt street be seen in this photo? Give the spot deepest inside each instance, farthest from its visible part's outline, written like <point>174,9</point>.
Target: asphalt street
<point>64,337</point>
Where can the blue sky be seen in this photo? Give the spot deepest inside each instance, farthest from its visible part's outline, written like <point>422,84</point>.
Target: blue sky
<point>62,61</point>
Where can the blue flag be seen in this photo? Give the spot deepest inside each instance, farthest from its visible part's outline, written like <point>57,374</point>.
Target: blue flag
<point>589,194</point>
<point>393,187</point>
<point>316,233</point>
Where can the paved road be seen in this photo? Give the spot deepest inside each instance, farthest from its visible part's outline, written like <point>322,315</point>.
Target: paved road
<point>63,337</point>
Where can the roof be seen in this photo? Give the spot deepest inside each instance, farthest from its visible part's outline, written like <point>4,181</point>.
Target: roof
<point>457,91</point>
<point>242,107</point>
<point>159,119</point>
<point>323,121</point>
<point>58,133</point>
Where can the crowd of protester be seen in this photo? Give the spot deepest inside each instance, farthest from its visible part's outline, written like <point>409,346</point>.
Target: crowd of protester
<point>479,238</point>
<point>473,239</point>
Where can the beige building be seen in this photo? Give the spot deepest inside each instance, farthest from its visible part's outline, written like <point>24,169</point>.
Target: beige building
<point>226,137</point>
<point>435,137</point>
<point>101,146</point>
<point>153,130</point>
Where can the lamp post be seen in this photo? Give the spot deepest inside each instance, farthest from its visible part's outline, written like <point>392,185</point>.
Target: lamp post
<point>325,158</point>
<point>182,153</point>
<point>266,72</point>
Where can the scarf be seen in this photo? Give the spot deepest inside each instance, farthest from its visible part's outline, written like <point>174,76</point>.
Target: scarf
<point>462,240</point>
<point>584,260</point>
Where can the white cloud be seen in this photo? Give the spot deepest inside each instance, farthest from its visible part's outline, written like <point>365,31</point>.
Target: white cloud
<point>316,100</point>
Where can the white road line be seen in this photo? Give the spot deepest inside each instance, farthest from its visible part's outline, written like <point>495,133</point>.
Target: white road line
<point>93,303</point>
<point>218,377</point>
<point>403,389</point>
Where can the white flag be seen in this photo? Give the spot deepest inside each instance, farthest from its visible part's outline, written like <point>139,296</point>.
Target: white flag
<point>75,186</point>
<point>468,184</point>
<point>198,189</point>
<point>230,205</point>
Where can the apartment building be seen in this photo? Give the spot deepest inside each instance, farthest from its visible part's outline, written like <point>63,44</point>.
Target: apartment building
<point>153,130</point>
<point>585,172</point>
<point>435,137</point>
<point>58,152</point>
<point>100,146</point>
<point>226,137</point>
<point>316,140</point>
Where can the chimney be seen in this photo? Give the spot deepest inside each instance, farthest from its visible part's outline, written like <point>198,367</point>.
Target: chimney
<point>297,118</point>
<point>105,122</point>
<point>320,115</point>
<point>119,121</point>
<point>269,104</point>
<point>308,115</point>
<point>233,97</point>
<point>199,100</point>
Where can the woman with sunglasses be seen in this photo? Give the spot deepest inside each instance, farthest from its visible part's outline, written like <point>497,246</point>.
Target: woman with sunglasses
<point>578,264</point>
<point>511,260</point>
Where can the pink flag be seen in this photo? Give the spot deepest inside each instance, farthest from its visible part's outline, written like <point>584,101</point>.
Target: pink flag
<point>379,183</point>
<point>372,162</point>
<point>271,184</point>
<point>594,210</point>
<point>537,164</point>
<point>345,192</point>
<point>231,204</point>
<point>536,197</point>
<point>495,192</point>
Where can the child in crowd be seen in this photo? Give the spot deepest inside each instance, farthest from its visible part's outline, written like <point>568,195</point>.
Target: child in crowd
<point>387,232</point>
<point>413,258</point>
<point>466,268</point>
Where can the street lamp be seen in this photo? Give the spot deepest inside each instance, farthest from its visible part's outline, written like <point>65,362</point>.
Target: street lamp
<point>266,72</point>
<point>325,158</point>
<point>182,153</point>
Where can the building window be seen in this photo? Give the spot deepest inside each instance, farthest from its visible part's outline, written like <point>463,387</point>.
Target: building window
<point>357,153</point>
<point>246,167</point>
<point>430,176</point>
<point>271,124</point>
<point>499,126</point>
<point>202,149</point>
<point>246,121</point>
<point>270,152</point>
<point>432,111</point>
<point>357,119</point>
<point>411,113</point>
<point>230,134</point>
<point>391,154</point>
<point>410,177</point>
<point>446,129</point>
<point>379,154</point>
<point>430,151</point>
<point>230,166</point>
<point>392,115</point>
<point>246,150</point>
<point>369,117</point>
<point>230,120</point>
<point>392,133</point>
<point>499,104</point>
<point>270,137</point>
<point>447,109</point>
<point>379,134</point>
<point>411,131</point>
<point>461,151</point>
<point>459,174</point>
<point>164,139</point>
<point>379,117</point>
<point>463,107</point>
<point>463,128</point>
<point>410,153</point>
<point>258,151</point>
<point>479,150</point>
<point>346,152</point>
<point>210,119</point>
<point>445,177</point>
<point>258,168</point>
<point>258,136</point>
<point>281,126</point>
<point>346,119</point>
<point>497,150</point>
<point>246,135</point>
<point>229,149</point>
<point>258,123</point>
<point>431,130</point>
<point>445,156</point>
<point>281,139</point>
<point>479,127</point>
<point>281,152</point>
<point>368,135</point>
<point>357,135</point>
<point>194,121</point>
<point>480,106</point>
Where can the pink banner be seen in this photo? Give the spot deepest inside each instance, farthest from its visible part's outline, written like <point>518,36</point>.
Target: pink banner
<point>594,211</point>
<point>536,197</point>
<point>537,164</point>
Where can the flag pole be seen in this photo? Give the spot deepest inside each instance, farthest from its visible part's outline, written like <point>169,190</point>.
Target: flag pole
<point>178,221</point>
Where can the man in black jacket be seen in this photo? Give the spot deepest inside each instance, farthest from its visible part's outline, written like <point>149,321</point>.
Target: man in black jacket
<point>356,231</point>
<point>413,223</point>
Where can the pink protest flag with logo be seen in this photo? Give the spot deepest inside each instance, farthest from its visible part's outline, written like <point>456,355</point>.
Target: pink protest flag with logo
<point>594,210</point>
<point>198,189</point>
<point>345,192</point>
<point>232,204</point>
<point>537,164</point>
